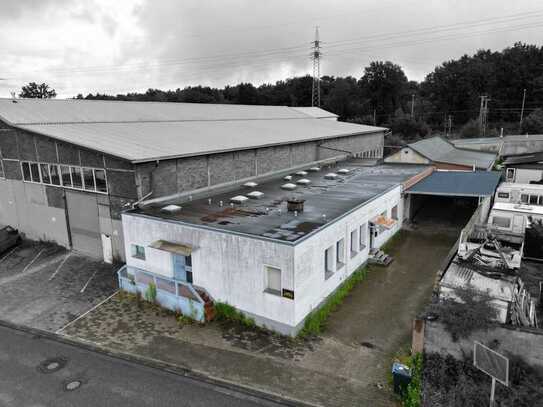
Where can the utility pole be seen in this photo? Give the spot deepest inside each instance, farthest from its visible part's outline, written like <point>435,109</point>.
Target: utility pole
<point>316,57</point>
<point>483,114</point>
<point>412,104</point>
<point>522,112</point>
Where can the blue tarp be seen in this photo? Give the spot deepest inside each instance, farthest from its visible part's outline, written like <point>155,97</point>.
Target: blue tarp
<point>458,183</point>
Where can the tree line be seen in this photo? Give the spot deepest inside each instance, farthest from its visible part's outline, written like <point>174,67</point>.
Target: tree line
<point>448,99</point>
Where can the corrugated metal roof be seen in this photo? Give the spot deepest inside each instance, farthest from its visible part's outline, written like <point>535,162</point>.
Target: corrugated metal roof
<point>438,149</point>
<point>160,140</point>
<point>458,183</point>
<point>145,131</point>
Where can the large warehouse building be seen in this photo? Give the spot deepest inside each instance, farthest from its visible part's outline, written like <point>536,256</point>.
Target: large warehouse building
<point>70,167</point>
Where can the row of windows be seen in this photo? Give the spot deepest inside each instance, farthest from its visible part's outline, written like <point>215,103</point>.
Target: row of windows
<point>531,199</point>
<point>358,244</point>
<point>69,176</point>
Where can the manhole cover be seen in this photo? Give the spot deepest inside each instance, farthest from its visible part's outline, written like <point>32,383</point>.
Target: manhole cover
<point>73,385</point>
<point>52,365</point>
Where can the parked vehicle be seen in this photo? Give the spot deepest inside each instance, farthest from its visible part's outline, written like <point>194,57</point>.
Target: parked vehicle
<point>9,238</point>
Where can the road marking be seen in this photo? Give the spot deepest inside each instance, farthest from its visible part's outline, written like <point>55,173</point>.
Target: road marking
<point>88,281</point>
<point>9,254</point>
<point>33,260</point>
<point>60,266</point>
<point>58,331</point>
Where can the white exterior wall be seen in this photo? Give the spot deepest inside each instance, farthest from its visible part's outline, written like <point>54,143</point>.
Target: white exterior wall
<point>230,267</point>
<point>311,286</point>
<point>524,176</point>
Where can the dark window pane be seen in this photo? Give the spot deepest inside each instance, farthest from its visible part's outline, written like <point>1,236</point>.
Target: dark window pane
<point>76,177</point>
<point>524,198</point>
<point>26,172</point>
<point>188,261</point>
<point>88,177</point>
<point>35,172</point>
<point>45,177</point>
<point>55,176</point>
<point>100,176</point>
<point>189,277</point>
<point>533,199</point>
<point>66,177</point>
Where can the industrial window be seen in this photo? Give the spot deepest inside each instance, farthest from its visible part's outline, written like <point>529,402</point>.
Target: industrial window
<point>501,222</point>
<point>26,171</point>
<point>45,176</point>
<point>2,175</point>
<point>138,252</point>
<point>55,176</point>
<point>504,195</point>
<point>362,236</point>
<point>533,199</point>
<point>88,178</point>
<point>273,280</point>
<point>100,176</point>
<point>35,172</point>
<point>394,212</point>
<point>66,176</point>
<point>524,198</point>
<point>77,180</point>
<point>340,253</point>
<point>540,200</point>
<point>354,242</point>
<point>328,262</point>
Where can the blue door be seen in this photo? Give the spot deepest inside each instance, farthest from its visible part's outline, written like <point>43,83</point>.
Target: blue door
<point>179,271</point>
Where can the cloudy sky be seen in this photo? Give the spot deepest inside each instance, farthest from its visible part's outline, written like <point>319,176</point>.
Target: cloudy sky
<point>82,46</point>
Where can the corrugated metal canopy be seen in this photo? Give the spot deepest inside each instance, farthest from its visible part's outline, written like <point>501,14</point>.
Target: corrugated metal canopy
<point>176,248</point>
<point>147,131</point>
<point>440,150</point>
<point>458,183</point>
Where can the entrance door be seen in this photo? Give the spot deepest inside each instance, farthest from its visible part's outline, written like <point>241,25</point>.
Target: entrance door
<point>84,224</point>
<point>179,270</point>
<point>107,249</point>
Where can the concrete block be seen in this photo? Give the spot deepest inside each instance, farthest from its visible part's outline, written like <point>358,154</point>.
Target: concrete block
<point>221,168</point>
<point>191,173</point>
<point>303,153</point>
<point>91,159</point>
<point>121,183</point>
<point>273,159</point>
<point>47,150</point>
<point>68,154</point>
<point>164,179</point>
<point>244,164</point>
<point>118,163</point>
<point>8,144</point>
<point>27,148</point>
<point>12,170</point>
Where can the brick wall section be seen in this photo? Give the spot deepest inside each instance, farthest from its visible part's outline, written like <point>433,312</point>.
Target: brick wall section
<point>526,343</point>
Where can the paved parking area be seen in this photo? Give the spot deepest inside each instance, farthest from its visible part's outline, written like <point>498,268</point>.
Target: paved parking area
<point>45,286</point>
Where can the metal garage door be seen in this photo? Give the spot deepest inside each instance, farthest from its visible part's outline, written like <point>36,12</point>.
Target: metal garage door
<point>84,223</point>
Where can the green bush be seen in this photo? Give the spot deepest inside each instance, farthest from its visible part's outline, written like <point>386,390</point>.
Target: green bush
<point>226,312</point>
<point>150,293</point>
<point>316,321</point>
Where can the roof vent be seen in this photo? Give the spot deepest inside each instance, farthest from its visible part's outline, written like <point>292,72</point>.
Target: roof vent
<point>288,186</point>
<point>331,175</point>
<point>255,194</point>
<point>301,173</point>
<point>239,199</point>
<point>287,178</point>
<point>314,169</point>
<point>343,171</point>
<point>303,181</point>
<point>250,184</point>
<point>171,208</point>
<point>295,205</point>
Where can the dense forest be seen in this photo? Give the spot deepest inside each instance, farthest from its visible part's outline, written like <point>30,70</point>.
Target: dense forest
<point>446,101</point>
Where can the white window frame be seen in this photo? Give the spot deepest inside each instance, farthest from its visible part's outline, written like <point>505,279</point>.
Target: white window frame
<point>355,242</point>
<point>397,209</point>
<point>513,176</point>
<point>134,251</point>
<point>61,180</point>
<point>509,221</point>
<point>363,236</point>
<point>340,253</point>
<point>329,261</point>
<point>267,288</point>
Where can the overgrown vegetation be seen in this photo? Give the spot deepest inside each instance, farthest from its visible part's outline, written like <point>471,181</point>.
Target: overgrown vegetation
<point>226,312</point>
<point>472,310</point>
<point>150,293</point>
<point>393,241</point>
<point>316,321</point>
<point>412,397</point>
<point>449,383</point>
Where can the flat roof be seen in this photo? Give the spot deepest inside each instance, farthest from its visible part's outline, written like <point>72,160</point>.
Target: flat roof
<point>148,131</point>
<point>268,217</point>
<point>458,183</point>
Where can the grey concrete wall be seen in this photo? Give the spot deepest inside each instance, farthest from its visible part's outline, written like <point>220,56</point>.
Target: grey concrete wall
<point>525,343</point>
<point>171,177</point>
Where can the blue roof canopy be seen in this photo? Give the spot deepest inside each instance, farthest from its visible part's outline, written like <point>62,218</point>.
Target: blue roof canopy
<point>458,183</point>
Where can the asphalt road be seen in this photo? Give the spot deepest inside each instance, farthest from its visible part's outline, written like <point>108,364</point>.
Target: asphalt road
<point>105,381</point>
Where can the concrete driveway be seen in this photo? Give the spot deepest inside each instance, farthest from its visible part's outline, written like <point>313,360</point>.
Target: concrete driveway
<point>44,286</point>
